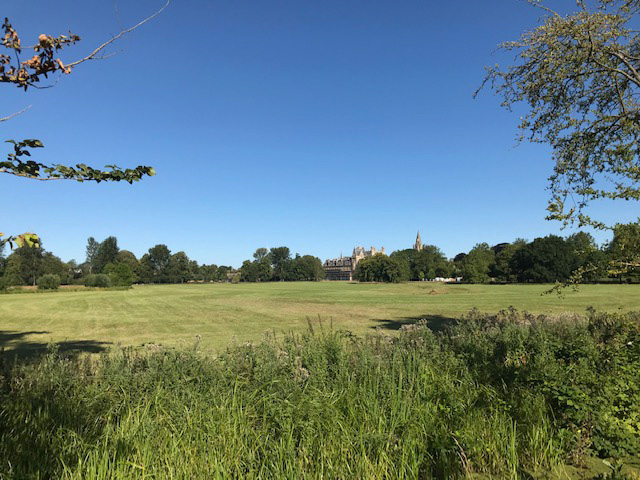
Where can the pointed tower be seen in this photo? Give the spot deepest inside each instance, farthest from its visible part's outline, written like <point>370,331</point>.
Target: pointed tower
<point>418,244</point>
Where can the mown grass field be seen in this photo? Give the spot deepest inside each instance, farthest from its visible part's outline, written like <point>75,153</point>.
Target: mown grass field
<point>223,313</point>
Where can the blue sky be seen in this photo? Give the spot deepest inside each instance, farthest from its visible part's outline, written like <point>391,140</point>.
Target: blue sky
<point>315,125</point>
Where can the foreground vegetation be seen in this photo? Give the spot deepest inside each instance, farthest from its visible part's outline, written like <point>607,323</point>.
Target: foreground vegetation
<point>510,396</point>
<point>221,313</point>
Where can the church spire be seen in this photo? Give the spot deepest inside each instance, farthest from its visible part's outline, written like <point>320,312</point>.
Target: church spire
<point>418,244</point>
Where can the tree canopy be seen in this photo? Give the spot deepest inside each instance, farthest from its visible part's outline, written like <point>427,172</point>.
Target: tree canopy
<point>380,268</point>
<point>476,265</point>
<point>277,265</point>
<point>579,77</point>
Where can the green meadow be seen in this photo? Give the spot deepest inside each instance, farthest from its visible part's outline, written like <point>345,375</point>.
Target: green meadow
<point>220,314</point>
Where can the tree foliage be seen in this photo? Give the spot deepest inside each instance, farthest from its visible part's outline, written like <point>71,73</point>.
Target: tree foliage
<point>30,73</point>
<point>24,266</point>
<point>154,265</point>
<point>380,268</point>
<point>23,240</point>
<point>306,268</point>
<point>120,274</point>
<point>624,250</point>
<point>427,263</point>
<point>100,280</point>
<point>579,76</point>
<point>180,268</point>
<point>48,281</point>
<point>277,265</point>
<point>22,167</point>
<point>503,269</point>
<point>91,252</point>
<point>280,258</point>
<point>128,258</point>
<point>476,265</point>
<point>548,259</point>
<point>107,253</point>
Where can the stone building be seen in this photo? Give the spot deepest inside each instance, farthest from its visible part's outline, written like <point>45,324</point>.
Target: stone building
<point>343,268</point>
<point>418,245</point>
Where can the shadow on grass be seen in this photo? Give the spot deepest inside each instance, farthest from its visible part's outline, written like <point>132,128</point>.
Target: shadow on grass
<point>33,413</point>
<point>21,345</point>
<point>434,322</point>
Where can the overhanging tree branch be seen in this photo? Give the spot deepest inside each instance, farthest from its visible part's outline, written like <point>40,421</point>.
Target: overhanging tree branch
<point>9,117</point>
<point>27,74</point>
<point>579,77</point>
<point>92,55</point>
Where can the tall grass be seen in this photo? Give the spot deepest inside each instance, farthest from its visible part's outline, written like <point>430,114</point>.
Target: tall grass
<point>485,396</point>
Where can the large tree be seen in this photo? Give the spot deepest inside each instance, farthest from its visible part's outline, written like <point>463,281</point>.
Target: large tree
<point>579,77</point>
<point>259,270</point>
<point>281,261</point>
<point>502,269</point>
<point>129,259</point>
<point>306,268</point>
<point>24,265</point>
<point>624,250</point>
<point>476,265</point>
<point>107,253</point>
<point>52,264</point>
<point>155,265</point>
<point>380,268</point>
<point>548,259</point>
<point>427,263</point>
<point>180,269</point>
<point>92,251</point>
<point>260,253</point>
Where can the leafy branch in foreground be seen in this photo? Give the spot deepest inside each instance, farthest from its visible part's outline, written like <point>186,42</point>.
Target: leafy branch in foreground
<point>28,73</point>
<point>16,165</point>
<point>579,76</point>
<point>22,240</point>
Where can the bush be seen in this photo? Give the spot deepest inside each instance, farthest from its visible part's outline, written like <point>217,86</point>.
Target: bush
<point>120,274</point>
<point>50,281</point>
<point>597,405</point>
<point>97,280</point>
<point>4,283</point>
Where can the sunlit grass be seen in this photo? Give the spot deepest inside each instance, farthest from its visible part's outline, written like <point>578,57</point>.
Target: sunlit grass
<point>222,313</point>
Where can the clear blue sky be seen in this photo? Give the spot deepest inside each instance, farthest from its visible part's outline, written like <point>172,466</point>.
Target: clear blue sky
<point>316,125</point>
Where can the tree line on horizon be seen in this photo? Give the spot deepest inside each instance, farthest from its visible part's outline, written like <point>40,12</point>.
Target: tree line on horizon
<point>278,265</point>
<point>544,260</point>
<point>105,265</point>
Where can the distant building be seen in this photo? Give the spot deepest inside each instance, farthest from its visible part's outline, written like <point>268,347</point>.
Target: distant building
<point>418,245</point>
<point>339,269</point>
<point>343,268</point>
